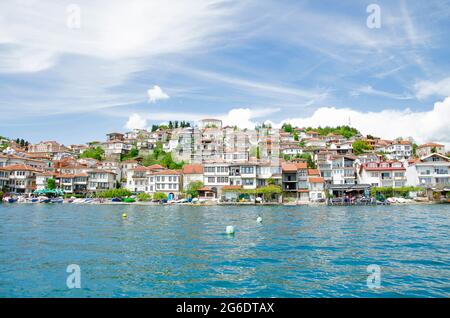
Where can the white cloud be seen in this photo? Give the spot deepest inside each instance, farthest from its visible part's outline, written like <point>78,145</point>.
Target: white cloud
<point>156,93</point>
<point>433,125</point>
<point>242,117</point>
<point>369,90</point>
<point>425,89</point>
<point>136,29</point>
<point>136,121</point>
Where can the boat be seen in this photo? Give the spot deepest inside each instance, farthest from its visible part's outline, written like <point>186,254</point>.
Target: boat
<point>129,200</point>
<point>57,200</point>
<point>44,200</point>
<point>12,200</point>
<point>116,200</point>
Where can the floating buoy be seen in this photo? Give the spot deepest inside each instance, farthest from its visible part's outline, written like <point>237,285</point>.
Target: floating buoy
<point>124,215</point>
<point>230,229</point>
<point>259,219</point>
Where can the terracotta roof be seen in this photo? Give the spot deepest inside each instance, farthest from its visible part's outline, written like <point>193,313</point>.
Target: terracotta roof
<point>47,173</point>
<point>166,172</point>
<point>154,167</point>
<point>71,175</point>
<point>193,169</point>
<point>301,165</point>
<point>313,172</point>
<point>289,166</point>
<point>231,187</point>
<point>130,161</point>
<point>19,167</point>
<point>140,168</point>
<point>205,189</point>
<point>303,190</point>
<point>316,180</point>
<point>430,144</point>
<point>100,171</point>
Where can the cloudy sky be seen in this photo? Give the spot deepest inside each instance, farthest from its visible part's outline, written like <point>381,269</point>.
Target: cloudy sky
<point>75,70</point>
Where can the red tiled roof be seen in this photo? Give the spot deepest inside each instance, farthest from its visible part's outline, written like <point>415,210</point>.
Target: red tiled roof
<point>288,166</point>
<point>155,167</point>
<point>316,180</point>
<point>205,189</point>
<point>193,169</point>
<point>166,172</point>
<point>231,187</point>
<point>313,172</point>
<point>19,167</point>
<point>430,144</point>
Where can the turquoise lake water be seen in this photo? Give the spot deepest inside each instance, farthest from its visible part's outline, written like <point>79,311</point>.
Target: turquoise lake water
<point>181,251</point>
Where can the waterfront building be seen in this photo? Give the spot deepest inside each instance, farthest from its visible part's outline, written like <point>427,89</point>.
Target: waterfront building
<point>295,184</point>
<point>382,174</point>
<point>192,173</point>
<point>216,176</point>
<point>18,178</point>
<point>100,180</point>
<point>165,181</point>
<point>42,179</point>
<point>342,169</point>
<point>431,170</point>
<point>316,188</point>
<point>73,183</point>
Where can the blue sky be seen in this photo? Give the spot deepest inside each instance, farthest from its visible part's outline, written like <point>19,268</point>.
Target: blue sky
<point>307,62</point>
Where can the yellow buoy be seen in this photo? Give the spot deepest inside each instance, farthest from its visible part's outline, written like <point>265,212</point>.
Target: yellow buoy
<point>124,215</point>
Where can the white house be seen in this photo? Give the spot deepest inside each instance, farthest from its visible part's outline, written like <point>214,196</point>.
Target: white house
<point>100,180</point>
<point>398,150</point>
<point>165,181</point>
<point>382,174</point>
<point>192,173</point>
<point>429,148</point>
<point>316,188</point>
<point>431,170</point>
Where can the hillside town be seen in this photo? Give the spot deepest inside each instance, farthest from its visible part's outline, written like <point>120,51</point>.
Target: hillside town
<point>215,163</point>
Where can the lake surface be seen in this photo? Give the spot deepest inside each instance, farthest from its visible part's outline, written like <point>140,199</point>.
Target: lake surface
<point>183,251</point>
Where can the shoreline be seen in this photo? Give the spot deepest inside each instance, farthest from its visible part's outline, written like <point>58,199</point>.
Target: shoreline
<point>227,204</point>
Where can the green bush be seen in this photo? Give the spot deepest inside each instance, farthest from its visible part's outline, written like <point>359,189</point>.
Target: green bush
<point>1,194</point>
<point>159,196</point>
<point>94,153</point>
<point>388,192</point>
<point>192,188</point>
<point>114,193</point>
<point>144,197</point>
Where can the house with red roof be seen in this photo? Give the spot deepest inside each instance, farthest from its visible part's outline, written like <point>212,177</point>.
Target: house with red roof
<point>429,148</point>
<point>382,174</point>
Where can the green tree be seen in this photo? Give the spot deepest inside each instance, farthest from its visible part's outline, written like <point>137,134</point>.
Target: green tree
<point>192,189</point>
<point>143,197</point>
<point>51,184</point>
<point>287,128</point>
<point>414,149</point>
<point>296,135</point>
<point>159,196</point>
<point>114,193</point>
<point>359,146</point>
<point>94,153</point>
<point>133,153</point>
<point>309,160</point>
